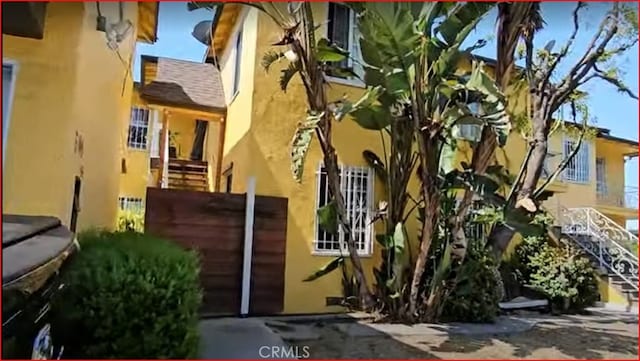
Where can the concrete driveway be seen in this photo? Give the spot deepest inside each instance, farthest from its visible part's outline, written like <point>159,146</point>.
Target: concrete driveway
<point>243,338</point>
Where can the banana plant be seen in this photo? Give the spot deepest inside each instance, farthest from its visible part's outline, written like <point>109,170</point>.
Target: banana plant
<point>411,53</point>
<point>310,59</point>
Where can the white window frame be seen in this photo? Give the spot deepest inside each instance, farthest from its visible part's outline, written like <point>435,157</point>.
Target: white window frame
<point>581,162</point>
<point>354,51</point>
<point>132,204</point>
<point>367,249</point>
<point>135,145</point>
<point>7,112</point>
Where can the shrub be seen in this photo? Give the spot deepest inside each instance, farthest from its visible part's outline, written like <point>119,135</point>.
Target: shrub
<point>478,291</point>
<point>562,274</point>
<point>130,221</point>
<point>128,296</point>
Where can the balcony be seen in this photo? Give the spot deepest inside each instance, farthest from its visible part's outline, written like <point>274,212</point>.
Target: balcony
<point>626,197</point>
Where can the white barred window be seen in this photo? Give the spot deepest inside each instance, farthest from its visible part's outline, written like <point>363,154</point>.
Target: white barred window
<point>138,128</point>
<point>131,204</point>
<point>578,168</point>
<point>357,188</point>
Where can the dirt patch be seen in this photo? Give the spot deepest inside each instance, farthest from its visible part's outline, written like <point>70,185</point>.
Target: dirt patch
<point>577,337</point>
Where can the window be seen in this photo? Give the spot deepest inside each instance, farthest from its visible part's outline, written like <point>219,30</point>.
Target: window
<point>138,128</point>
<point>238,63</point>
<point>578,168</point>
<point>343,32</point>
<point>131,204</point>
<point>357,188</point>
<point>474,230</point>
<point>228,176</point>
<point>8,84</point>
<point>601,176</point>
<point>470,132</point>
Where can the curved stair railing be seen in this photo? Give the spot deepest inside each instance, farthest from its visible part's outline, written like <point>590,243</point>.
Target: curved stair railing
<point>603,239</point>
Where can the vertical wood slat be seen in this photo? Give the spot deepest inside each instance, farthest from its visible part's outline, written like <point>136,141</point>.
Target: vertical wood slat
<point>213,224</point>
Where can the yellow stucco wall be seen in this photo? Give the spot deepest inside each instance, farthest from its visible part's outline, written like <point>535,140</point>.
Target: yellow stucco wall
<point>260,124</point>
<point>69,86</point>
<point>240,105</point>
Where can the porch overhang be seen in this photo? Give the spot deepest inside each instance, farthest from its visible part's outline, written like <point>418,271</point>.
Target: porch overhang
<point>201,113</point>
<point>224,19</point>
<point>24,19</point>
<point>183,86</point>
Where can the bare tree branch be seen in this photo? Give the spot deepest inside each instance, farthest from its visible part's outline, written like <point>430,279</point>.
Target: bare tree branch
<point>564,50</point>
<point>588,60</point>
<point>621,87</point>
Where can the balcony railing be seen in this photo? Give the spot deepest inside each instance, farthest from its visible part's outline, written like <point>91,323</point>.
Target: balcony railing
<point>627,198</point>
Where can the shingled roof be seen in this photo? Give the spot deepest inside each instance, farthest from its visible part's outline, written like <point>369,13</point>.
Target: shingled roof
<point>184,83</point>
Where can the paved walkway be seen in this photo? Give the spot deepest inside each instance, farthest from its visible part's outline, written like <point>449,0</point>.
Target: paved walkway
<point>603,334</point>
<point>238,338</point>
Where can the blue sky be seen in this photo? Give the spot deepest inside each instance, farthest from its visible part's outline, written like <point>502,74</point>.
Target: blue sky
<point>174,35</point>
<point>609,108</point>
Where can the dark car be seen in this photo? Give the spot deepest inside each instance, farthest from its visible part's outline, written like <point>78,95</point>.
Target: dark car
<point>34,250</point>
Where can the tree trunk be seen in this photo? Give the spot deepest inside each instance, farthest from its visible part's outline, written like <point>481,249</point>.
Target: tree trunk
<point>536,162</point>
<point>499,240</point>
<point>432,204</point>
<point>331,165</point>
<point>501,235</point>
<point>428,225</point>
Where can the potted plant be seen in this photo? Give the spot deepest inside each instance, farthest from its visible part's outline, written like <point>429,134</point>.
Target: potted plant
<point>173,145</point>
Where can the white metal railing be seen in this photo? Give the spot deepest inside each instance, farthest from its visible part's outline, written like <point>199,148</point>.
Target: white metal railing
<point>627,197</point>
<point>614,247</point>
<point>631,197</point>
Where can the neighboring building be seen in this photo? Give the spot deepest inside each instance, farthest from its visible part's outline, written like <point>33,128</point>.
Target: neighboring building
<point>261,120</point>
<point>175,133</point>
<point>66,88</point>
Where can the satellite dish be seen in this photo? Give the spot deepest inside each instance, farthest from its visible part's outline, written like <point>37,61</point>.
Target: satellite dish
<point>202,32</point>
<point>117,32</point>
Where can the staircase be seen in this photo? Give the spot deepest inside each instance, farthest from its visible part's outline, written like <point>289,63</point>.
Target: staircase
<point>188,175</point>
<point>612,249</point>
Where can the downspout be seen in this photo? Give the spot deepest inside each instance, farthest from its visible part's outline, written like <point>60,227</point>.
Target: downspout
<point>221,134</point>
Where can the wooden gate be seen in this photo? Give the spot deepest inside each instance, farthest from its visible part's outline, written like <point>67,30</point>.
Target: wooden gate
<point>213,224</point>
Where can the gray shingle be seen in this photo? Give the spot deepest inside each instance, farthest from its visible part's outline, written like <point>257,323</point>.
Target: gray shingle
<point>186,83</point>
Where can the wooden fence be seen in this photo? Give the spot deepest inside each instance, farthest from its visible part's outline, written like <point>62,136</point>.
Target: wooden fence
<point>241,240</point>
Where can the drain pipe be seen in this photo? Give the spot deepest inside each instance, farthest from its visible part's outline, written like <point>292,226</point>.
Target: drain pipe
<point>248,247</point>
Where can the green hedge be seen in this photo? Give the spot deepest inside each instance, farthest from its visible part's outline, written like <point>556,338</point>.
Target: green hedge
<point>562,274</point>
<point>128,296</point>
<point>478,290</point>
